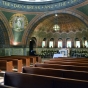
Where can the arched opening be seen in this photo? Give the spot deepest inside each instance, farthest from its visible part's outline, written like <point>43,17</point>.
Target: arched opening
<point>77,43</point>
<point>44,43</point>
<point>69,44</point>
<point>60,43</point>
<point>51,43</point>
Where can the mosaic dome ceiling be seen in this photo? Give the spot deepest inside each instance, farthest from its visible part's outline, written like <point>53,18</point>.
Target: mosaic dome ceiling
<point>66,22</point>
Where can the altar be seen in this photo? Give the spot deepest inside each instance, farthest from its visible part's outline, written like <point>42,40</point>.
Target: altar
<point>64,52</point>
<point>57,55</point>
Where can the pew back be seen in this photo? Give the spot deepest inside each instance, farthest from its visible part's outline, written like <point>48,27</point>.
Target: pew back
<point>21,80</point>
<point>82,75</point>
<point>66,63</point>
<point>59,66</point>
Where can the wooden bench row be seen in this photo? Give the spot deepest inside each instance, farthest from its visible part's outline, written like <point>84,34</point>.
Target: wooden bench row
<point>32,59</point>
<point>36,77</point>
<point>73,74</point>
<point>70,59</point>
<point>10,62</point>
<point>67,63</point>
<point>59,66</point>
<point>24,80</point>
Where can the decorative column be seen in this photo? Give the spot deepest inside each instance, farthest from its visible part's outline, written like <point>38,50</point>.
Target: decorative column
<point>81,43</point>
<point>73,43</point>
<point>56,43</point>
<point>39,43</point>
<point>64,43</point>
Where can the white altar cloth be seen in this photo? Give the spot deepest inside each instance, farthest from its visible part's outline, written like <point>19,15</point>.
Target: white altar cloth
<point>57,55</point>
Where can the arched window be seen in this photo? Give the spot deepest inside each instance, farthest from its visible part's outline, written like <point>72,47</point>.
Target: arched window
<point>44,42</point>
<point>51,43</point>
<point>85,42</point>
<point>60,43</point>
<point>69,44</point>
<point>77,43</point>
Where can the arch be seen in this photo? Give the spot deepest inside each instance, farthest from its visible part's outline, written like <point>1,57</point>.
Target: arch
<point>68,43</point>
<point>35,22</point>
<point>7,29</point>
<point>4,38</point>
<point>85,42</point>
<point>44,39</point>
<point>60,43</point>
<point>77,43</point>
<point>52,39</point>
<point>44,42</point>
<point>51,43</point>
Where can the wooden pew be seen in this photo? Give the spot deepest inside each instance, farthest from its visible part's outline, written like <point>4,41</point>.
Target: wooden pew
<point>25,60</point>
<point>59,66</point>
<point>16,63</point>
<point>6,65</point>
<point>22,80</point>
<point>70,58</point>
<point>66,63</point>
<point>81,75</point>
<point>4,86</point>
<point>32,59</point>
<point>73,60</point>
<point>35,59</point>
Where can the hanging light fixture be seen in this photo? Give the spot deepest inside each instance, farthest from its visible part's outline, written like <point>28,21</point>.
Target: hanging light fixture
<point>56,27</point>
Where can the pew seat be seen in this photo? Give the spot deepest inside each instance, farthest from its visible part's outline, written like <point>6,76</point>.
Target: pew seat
<point>24,80</point>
